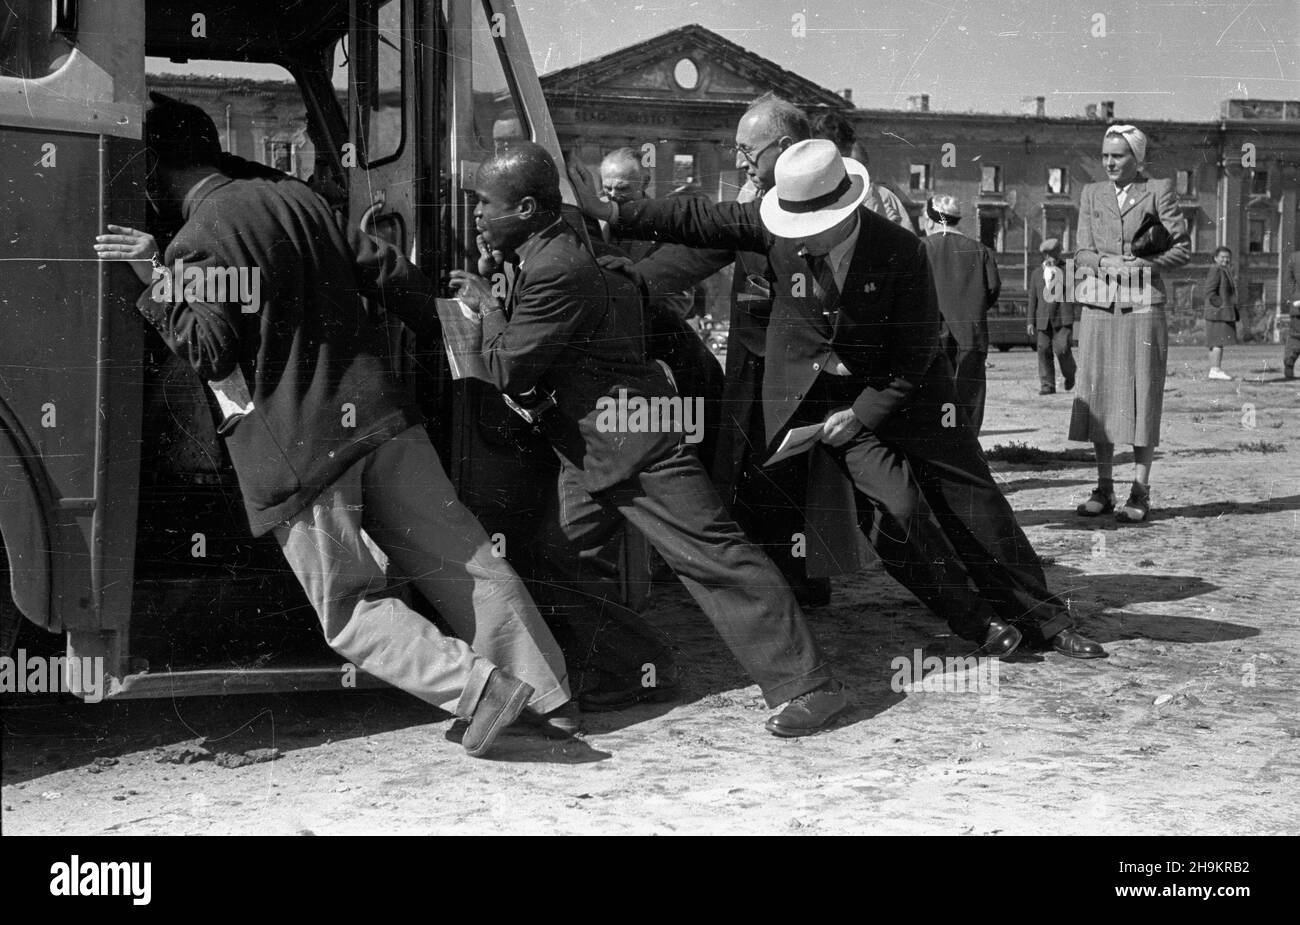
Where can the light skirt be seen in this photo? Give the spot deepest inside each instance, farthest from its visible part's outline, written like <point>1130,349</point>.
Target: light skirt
<point>1121,379</point>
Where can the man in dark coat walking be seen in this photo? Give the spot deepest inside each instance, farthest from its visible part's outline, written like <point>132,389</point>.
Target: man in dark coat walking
<point>1292,287</point>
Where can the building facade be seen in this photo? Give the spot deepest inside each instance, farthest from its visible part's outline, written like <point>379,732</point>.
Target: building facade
<point>1018,176</point>
<point>678,96</point>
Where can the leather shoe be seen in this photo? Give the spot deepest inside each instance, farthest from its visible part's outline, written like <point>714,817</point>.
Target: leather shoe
<point>1070,643</point>
<point>1069,383</point>
<point>564,722</point>
<point>1047,390</point>
<point>503,699</point>
<point>607,699</point>
<point>1000,639</point>
<point>810,712</point>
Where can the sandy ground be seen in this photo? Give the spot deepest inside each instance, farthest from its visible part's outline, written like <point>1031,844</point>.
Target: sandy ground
<point>1191,725</point>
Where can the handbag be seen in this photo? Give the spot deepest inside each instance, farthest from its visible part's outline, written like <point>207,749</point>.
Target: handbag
<point>1152,238</point>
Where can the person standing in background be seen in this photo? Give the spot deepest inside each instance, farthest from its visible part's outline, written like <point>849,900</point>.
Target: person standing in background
<point>1221,313</point>
<point>1051,318</point>
<point>966,278</point>
<point>833,126</point>
<point>1124,339</point>
<point>1292,352</point>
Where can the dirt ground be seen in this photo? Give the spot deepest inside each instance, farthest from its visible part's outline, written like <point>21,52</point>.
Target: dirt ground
<point>1190,726</point>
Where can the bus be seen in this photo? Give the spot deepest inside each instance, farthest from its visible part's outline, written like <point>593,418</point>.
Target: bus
<point>120,522</point>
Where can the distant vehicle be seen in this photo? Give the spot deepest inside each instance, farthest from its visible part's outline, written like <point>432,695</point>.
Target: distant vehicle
<point>1009,325</point>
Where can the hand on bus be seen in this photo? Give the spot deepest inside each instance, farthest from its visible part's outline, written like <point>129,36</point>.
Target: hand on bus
<point>124,243</point>
<point>473,290</point>
<point>584,188</point>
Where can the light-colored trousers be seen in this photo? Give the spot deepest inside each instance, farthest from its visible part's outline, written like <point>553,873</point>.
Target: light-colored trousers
<point>401,498</point>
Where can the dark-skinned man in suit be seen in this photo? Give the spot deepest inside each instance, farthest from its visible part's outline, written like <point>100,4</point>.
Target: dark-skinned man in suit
<point>575,333</point>
<point>853,343</point>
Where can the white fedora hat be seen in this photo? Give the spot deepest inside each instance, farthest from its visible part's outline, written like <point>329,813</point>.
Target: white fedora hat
<point>815,190</point>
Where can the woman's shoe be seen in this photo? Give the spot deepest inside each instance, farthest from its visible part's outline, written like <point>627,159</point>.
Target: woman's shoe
<point>1098,503</point>
<point>1136,508</point>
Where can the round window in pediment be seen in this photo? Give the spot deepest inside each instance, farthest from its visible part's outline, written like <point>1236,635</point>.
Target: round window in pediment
<point>686,74</point>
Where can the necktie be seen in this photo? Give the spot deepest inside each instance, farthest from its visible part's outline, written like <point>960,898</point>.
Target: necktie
<point>822,272</point>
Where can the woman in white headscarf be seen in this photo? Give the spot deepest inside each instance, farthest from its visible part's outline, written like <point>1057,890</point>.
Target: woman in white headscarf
<point>1123,342</point>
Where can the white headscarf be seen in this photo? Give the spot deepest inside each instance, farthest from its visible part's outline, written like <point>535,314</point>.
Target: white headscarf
<point>1137,141</point>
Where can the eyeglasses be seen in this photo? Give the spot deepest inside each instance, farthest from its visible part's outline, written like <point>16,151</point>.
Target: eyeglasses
<point>750,156</point>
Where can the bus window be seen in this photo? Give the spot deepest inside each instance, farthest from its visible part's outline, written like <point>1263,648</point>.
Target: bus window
<point>384,124</point>
<point>257,108</point>
<point>498,116</point>
<point>29,48</point>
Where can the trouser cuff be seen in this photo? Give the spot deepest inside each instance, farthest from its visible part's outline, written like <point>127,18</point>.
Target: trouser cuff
<point>556,697</point>
<point>777,694</point>
<point>474,687</point>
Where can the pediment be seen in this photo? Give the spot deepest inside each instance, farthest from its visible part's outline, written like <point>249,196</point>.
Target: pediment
<point>687,64</point>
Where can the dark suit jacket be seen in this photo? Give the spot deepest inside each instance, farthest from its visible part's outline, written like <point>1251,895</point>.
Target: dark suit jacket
<point>1043,312</point>
<point>664,269</point>
<point>966,278</point>
<point>1220,295</point>
<point>886,329</point>
<point>1103,230</point>
<point>579,333</point>
<point>308,351</point>
<point>1292,288</point>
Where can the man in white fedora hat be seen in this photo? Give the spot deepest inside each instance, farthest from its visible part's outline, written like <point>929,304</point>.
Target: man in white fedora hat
<point>853,344</point>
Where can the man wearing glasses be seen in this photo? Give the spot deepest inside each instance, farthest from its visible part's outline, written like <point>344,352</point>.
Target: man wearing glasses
<point>768,502</point>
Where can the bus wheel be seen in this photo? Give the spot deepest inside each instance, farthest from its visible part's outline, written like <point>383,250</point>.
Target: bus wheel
<point>11,620</point>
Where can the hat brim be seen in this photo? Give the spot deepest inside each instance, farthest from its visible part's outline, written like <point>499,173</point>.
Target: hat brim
<point>785,224</point>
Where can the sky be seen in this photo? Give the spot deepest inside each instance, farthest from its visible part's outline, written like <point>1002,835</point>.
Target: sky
<point>1162,59</point>
<point>1156,59</point>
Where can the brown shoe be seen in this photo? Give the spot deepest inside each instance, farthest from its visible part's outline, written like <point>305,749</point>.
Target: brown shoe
<point>810,712</point>
<point>503,699</point>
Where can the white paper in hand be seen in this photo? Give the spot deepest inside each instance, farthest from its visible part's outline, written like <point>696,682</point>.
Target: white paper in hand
<point>232,395</point>
<point>797,440</point>
<point>462,334</point>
